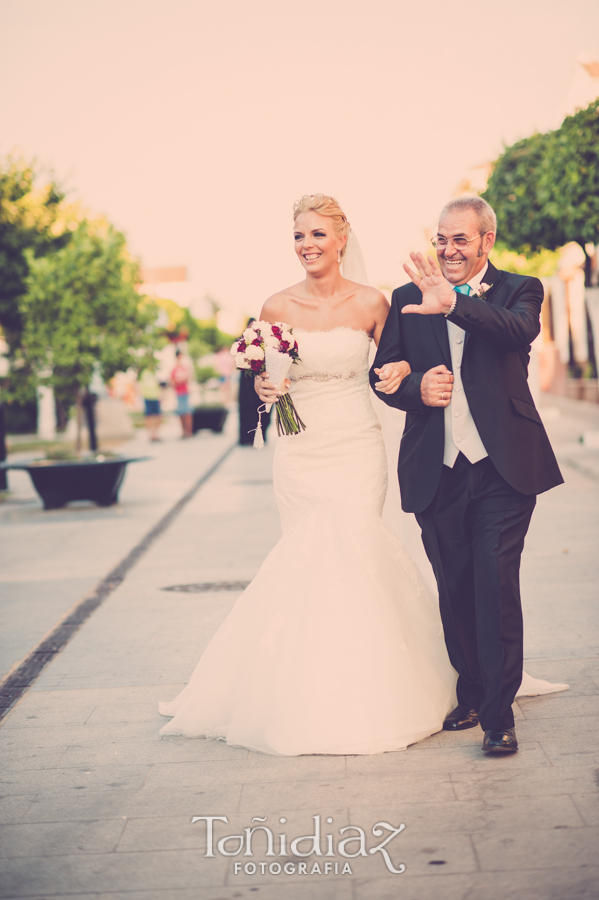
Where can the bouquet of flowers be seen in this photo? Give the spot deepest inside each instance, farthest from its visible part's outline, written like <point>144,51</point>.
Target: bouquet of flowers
<point>264,347</point>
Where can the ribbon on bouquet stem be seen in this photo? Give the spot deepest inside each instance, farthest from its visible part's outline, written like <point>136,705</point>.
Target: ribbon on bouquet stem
<point>258,435</point>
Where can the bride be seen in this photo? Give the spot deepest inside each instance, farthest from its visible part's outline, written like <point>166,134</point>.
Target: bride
<point>336,647</point>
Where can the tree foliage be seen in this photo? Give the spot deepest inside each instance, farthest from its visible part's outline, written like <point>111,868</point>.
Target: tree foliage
<point>82,311</point>
<point>513,192</point>
<point>541,264</point>
<point>203,336</point>
<point>32,220</point>
<point>569,178</point>
<point>545,189</point>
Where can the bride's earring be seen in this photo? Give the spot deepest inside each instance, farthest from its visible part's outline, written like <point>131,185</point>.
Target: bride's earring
<point>338,255</point>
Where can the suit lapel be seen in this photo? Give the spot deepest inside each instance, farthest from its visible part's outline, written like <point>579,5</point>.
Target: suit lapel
<point>439,326</point>
<point>493,277</point>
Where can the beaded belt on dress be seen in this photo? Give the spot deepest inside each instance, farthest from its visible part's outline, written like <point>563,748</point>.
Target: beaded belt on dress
<point>323,376</point>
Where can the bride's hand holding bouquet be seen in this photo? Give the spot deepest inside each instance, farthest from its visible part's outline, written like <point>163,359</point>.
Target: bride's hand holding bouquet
<point>268,391</point>
<point>262,346</point>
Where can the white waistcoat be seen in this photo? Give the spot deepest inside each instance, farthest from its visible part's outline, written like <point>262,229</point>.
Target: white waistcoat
<point>461,434</point>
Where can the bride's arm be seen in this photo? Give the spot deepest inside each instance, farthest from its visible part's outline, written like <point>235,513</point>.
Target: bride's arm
<point>391,374</point>
<point>380,310</point>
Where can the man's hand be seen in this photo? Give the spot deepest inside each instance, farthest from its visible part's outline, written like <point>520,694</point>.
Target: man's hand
<point>391,376</point>
<point>437,294</point>
<point>436,386</point>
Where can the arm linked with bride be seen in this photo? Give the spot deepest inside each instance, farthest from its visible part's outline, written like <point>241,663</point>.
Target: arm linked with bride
<point>413,393</point>
<point>435,388</point>
<point>391,376</point>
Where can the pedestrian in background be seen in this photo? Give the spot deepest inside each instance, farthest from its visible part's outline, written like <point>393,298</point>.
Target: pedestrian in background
<point>149,388</point>
<point>180,382</point>
<point>224,365</point>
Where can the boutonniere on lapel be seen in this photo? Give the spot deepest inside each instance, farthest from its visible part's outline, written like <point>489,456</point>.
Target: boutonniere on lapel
<point>482,291</point>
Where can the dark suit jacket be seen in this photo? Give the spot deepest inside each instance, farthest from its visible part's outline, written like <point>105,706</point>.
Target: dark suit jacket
<point>499,331</point>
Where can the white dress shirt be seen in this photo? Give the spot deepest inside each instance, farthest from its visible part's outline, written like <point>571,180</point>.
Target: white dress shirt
<point>461,434</point>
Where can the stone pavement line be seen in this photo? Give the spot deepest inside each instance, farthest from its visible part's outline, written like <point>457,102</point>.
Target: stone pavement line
<point>20,680</point>
<point>579,467</point>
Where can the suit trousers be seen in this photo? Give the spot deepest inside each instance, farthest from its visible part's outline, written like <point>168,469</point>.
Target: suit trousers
<point>473,533</point>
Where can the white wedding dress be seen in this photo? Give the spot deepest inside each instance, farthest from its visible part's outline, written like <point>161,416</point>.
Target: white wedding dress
<point>336,647</point>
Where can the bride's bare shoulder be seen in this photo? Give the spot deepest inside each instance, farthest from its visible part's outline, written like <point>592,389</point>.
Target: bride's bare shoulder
<point>277,306</point>
<point>371,298</point>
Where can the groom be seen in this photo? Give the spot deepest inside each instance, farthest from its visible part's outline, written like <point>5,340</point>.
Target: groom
<point>474,453</point>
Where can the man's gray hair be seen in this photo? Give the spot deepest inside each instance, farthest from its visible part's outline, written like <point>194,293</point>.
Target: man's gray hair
<point>485,213</point>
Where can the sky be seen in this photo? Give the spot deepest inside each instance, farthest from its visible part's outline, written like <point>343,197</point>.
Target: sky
<point>194,124</point>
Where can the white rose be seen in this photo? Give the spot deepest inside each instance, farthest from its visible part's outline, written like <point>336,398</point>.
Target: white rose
<point>271,341</point>
<point>254,352</point>
<point>248,335</point>
<point>263,327</point>
<point>235,349</point>
<point>241,361</point>
<point>287,336</point>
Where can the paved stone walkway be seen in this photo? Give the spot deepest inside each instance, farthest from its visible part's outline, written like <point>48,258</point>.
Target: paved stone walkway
<point>50,559</point>
<point>95,804</point>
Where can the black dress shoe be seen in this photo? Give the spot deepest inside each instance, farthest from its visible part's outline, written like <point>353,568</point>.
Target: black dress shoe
<point>500,741</point>
<point>462,717</point>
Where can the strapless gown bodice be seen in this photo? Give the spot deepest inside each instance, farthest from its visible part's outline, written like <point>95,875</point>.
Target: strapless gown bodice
<point>340,458</point>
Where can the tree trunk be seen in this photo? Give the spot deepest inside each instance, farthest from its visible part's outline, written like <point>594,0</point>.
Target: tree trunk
<point>3,480</point>
<point>588,263</point>
<point>46,414</point>
<point>62,414</point>
<point>79,422</point>
<point>89,403</point>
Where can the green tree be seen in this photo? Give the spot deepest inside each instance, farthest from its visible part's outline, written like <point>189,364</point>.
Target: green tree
<point>32,220</point>
<point>541,264</point>
<point>513,191</point>
<point>82,313</point>
<point>569,178</point>
<point>545,189</point>
<point>203,335</point>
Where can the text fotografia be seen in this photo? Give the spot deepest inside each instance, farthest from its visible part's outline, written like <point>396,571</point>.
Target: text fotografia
<point>350,843</point>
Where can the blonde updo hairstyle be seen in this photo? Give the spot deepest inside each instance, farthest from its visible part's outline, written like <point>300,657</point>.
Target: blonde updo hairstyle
<point>324,206</point>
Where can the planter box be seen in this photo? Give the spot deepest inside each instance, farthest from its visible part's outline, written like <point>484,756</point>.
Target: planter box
<point>58,482</point>
<point>590,390</point>
<point>582,389</point>
<point>212,417</point>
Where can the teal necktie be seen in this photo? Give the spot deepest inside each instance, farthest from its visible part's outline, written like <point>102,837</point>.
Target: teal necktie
<point>463,289</point>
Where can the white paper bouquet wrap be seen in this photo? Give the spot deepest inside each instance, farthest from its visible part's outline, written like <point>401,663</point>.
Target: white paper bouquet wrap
<point>277,365</point>
<point>264,347</point>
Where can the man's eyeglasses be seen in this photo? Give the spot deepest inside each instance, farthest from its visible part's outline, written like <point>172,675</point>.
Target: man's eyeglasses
<point>460,243</point>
